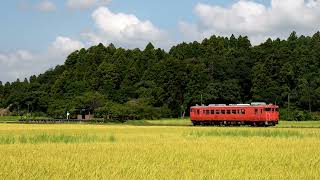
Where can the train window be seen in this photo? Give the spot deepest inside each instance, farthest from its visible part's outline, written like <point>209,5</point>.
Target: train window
<point>198,111</point>
<point>217,111</point>
<point>238,111</point>
<point>212,111</point>
<point>207,112</point>
<point>243,111</point>
<point>267,109</point>
<point>204,112</point>
<point>261,111</point>
<point>256,111</point>
<point>223,111</point>
<point>234,111</point>
<point>228,112</point>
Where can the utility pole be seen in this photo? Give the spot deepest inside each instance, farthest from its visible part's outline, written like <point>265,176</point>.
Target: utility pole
<point>288,106</point>
<point>309,99</point>
<point>309,104</point>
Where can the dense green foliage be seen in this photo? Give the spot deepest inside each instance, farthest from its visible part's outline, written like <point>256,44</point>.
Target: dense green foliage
<point>136,84</point>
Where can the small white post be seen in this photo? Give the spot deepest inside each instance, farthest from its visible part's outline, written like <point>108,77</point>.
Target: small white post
<point>68,115</point>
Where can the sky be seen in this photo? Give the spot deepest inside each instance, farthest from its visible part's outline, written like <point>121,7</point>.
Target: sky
<point>36,35</point>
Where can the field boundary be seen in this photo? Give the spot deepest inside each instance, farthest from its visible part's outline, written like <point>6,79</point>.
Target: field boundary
<point>162,122</point>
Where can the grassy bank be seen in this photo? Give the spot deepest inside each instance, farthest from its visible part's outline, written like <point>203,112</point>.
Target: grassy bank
<point>4,119</point>
<point>12,119</point>
<point>174,122</point>
<point>187,122</point>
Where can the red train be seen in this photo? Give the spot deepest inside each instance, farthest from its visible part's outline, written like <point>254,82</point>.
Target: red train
<point>255,114</point>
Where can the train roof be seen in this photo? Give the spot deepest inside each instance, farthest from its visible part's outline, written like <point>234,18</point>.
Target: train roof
<point>254,104</point>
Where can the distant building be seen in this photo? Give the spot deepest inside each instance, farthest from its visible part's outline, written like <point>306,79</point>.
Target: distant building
<point>6,111</point>
<point>84,114</point>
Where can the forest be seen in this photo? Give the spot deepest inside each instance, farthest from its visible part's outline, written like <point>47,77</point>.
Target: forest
<point>126,84</point>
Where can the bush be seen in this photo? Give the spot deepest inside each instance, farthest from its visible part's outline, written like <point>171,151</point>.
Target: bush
<point>315,116</point>
<point>135,109</point>
<point>39,114</point>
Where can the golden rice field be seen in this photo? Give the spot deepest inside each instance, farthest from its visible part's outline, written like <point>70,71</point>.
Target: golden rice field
<point>77,151</point>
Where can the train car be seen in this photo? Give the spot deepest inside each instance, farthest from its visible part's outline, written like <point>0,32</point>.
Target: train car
<point>255,114</point>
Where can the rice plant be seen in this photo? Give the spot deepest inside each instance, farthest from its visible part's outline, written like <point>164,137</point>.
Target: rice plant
<point>247,133</point>
<point>157,152</point>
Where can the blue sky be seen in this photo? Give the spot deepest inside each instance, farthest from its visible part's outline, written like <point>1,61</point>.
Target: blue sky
<point>25,27</point>
<point>38,34</point>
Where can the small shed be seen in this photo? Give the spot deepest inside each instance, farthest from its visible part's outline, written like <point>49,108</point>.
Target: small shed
<point>85,114</point>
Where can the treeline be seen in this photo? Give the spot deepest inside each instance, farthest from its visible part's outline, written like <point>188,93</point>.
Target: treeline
<point>152,83</point>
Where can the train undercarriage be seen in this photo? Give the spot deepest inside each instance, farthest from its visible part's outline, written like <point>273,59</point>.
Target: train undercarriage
<point>234,123</point>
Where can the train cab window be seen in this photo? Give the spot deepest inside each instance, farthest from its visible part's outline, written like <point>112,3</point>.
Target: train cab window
<point>217,111</point>
<point>228,111</point>
<point>212,111</point>
<point>234,111</point>
<point>223,111</point>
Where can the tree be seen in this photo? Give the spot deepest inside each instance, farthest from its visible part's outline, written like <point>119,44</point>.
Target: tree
<point>89,100</point>
<point>216,70</point>
<point>1,94</point>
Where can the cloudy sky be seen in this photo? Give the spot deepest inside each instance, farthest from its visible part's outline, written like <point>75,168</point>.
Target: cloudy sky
<point>38,34</point>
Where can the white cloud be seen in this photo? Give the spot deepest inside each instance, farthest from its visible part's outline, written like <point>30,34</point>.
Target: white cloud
<point>93,38</point>
<point>256,20</point>
<point>65,45</point>
<point>124,29</point>
<point>23,63</point>
<point>84,4</point>
<point>12,58</point>
<point>20,64</point>
<point>46,6</point>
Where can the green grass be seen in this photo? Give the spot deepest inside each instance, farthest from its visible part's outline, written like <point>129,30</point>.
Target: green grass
<point>9,118</point>
<point>88,151</point>
<point>46,138</point>
<point>275,133</point>
<point>176,122</point>
<point>187,122</point>
<point>171,122</point>
<point>299,124</point>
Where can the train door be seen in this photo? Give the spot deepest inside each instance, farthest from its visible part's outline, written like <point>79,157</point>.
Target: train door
<point>258,113</point>
<point>198,114</point>
<point>202,114</point>
<point>267,114</point>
